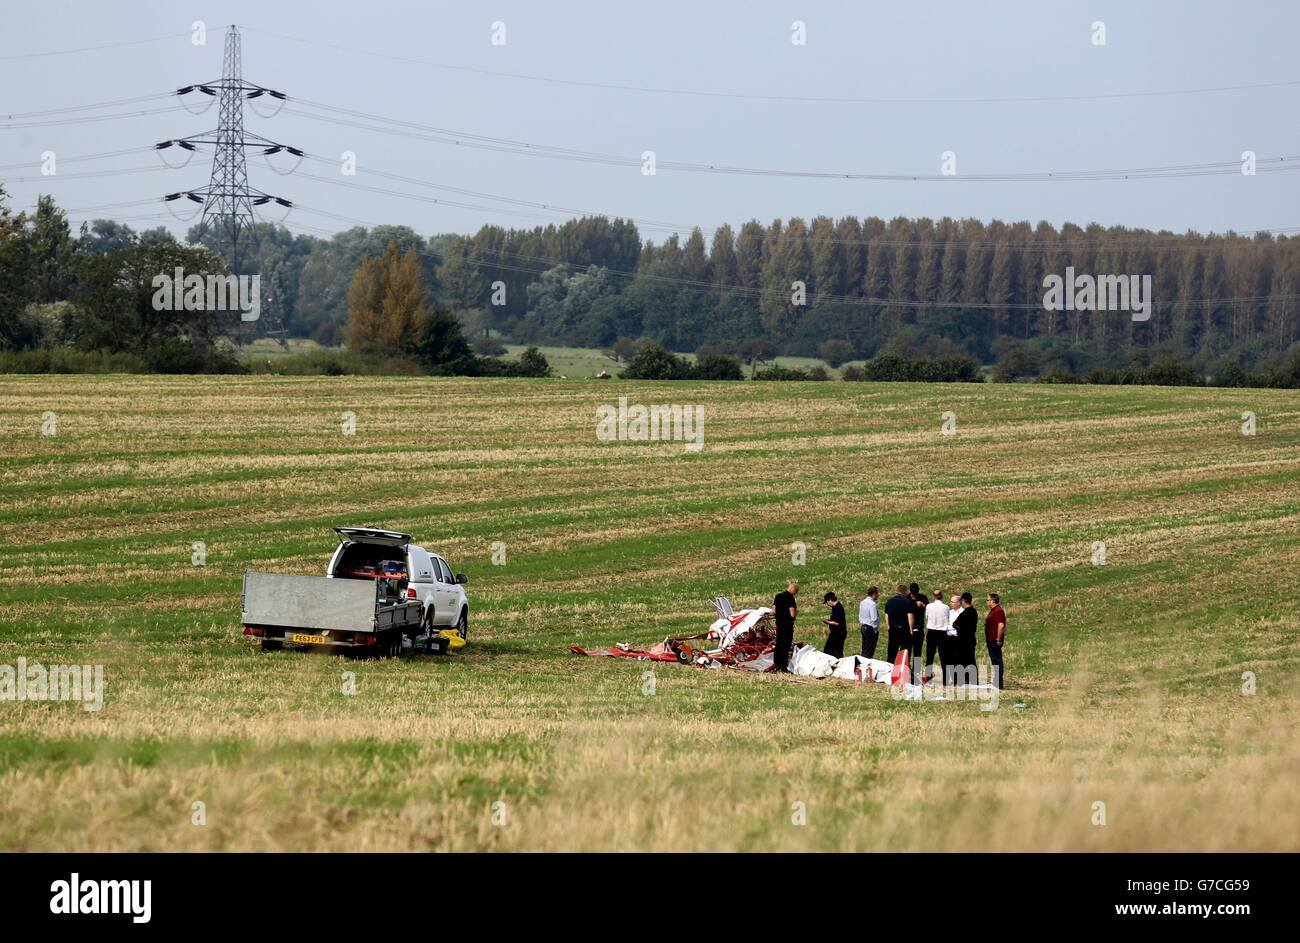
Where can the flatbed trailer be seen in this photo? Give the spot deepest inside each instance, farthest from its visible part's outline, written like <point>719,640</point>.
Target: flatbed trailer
<point>341,614</point>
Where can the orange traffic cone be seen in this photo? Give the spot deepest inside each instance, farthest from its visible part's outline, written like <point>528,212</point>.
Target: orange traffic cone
<point>899,675</point>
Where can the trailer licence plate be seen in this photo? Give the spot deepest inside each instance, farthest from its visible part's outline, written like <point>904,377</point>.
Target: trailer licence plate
<point>306,639</point>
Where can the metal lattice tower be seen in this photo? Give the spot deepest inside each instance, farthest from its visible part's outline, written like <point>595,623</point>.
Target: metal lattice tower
<point>228,208</point>
<point>228,201</point>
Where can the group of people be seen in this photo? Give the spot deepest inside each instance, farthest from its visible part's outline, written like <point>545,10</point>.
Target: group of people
<point>922,625</point>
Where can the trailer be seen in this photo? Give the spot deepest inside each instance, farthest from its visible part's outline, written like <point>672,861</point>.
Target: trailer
<point>339,614</point>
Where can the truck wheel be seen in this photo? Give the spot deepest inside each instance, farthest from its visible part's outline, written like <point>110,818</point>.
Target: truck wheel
<point>462,624</point>
<point>426,627</point>
<point>270,645</point>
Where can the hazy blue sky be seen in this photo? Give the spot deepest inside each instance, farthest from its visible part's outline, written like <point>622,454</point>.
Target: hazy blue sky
<point>913,49</point>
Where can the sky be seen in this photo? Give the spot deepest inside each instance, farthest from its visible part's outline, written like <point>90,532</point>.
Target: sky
<point>913,50</point>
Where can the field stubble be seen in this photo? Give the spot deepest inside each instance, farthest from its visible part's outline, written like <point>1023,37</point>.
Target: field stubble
<point>1131,673</point>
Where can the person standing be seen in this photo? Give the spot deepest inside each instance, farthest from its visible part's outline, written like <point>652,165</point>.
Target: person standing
<point>785,610</point>
<point>837,629</point>
<point>869,622</point>
<point>918,634</point>
<point>951,646</point>
<point>995,633</point>
<point>936,633</point>
<point>900,611</point>
<point>967,625</point>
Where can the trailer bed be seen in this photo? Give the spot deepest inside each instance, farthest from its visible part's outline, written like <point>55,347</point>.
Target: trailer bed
<point>319,610</point>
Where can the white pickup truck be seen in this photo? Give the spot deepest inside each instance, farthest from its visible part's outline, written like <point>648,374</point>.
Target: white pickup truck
<point>394,590</point>
<point>363,551</point>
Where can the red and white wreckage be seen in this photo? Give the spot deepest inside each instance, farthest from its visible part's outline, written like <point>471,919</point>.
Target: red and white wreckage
<point>745,640</point>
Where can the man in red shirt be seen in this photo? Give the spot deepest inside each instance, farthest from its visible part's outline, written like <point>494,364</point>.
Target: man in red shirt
<point>995,633</point>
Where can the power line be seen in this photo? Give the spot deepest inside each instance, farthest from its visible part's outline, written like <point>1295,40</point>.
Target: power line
<point>80,158</point>
<point>798,99</point>
<point>664,226</point>
<point>88,119</point>
<point>558,213</point>
<point>460,138</point>
<point>89,107</point>
<point>86,175</point>
<point>107,206</point>
<point>118,219</point>
<point>457,138</point>
<point>68,52</point>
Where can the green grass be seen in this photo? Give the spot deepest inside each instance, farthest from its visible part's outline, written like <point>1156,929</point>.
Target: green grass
<point>264,348</point>
<point>1130,673</point>
<point>570,362</point>
<point>585,362</point>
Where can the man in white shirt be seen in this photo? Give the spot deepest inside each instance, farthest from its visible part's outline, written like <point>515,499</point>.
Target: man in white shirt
<point>937,624</point>
<point>869,622</point>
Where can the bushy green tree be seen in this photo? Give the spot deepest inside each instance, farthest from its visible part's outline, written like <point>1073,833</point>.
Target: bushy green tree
<point>533,363</point>
<point>716,367</point>
<point>836,351</point>
<point>655,362</point>
<point>442,348</point>
<point>117,309</point>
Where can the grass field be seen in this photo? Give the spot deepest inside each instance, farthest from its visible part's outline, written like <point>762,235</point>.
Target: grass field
<point>586,362</point>
<point>570,362</point>
<point>1125,678</point>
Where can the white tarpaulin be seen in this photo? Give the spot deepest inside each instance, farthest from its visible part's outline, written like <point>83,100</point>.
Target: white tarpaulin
<point>857,668</point>
<point>811,663</point>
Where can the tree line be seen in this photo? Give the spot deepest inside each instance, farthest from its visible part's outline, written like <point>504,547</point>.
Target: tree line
<point>843,290</point>
<point>851,289</point>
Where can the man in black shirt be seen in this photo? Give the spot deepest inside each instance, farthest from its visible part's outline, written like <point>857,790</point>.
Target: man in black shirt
<point>918,633</point>
<point>837,629</point>
<point>784,610</point>
<point>901,612</point>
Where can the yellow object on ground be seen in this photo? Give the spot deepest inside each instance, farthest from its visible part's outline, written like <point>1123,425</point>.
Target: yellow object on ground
<point>454,641</point>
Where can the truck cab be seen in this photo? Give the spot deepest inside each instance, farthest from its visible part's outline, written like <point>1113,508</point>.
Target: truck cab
<point>371,553</point>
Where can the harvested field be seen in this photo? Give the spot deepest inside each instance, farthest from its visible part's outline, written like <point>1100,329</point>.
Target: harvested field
<point>1130,680</point>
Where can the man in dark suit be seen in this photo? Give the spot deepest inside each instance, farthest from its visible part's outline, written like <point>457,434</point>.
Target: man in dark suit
<point>967,625</point>
<point>918,634</point>
<point>784,611</point>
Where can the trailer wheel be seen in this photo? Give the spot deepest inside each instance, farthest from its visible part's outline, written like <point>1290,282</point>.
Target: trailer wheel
<point>394,644</point>
<point>272,645</point>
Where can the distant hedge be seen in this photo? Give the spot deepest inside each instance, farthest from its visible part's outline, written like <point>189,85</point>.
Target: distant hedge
<point>70,360</point>
<point>893,368</point>
<point>655,362</point>
<point>165,356</point>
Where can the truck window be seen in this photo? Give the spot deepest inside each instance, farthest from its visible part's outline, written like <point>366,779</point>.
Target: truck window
<point>444,572</point>
<point>422,566</point>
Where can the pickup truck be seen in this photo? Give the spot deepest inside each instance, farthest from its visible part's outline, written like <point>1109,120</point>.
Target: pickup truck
<point>379,589</point>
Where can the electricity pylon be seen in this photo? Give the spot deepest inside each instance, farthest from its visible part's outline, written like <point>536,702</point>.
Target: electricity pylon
<point>228,200</point>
